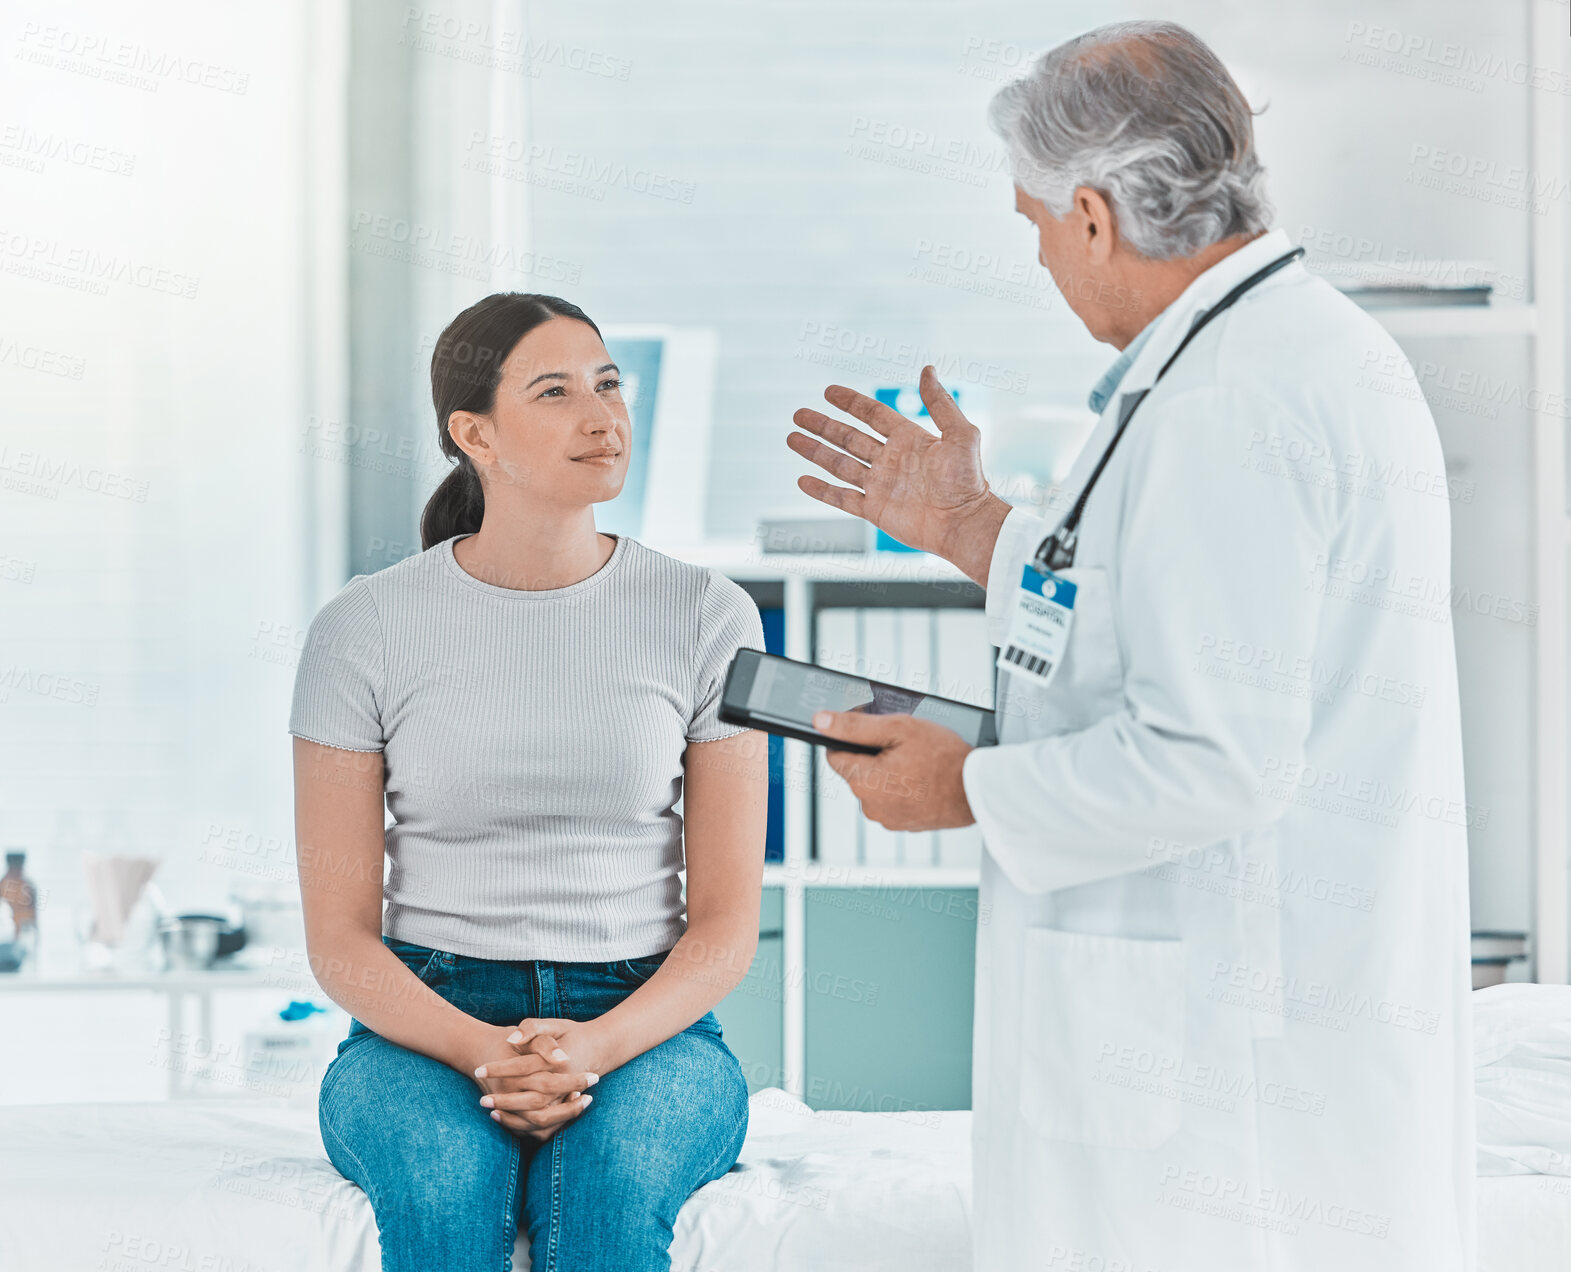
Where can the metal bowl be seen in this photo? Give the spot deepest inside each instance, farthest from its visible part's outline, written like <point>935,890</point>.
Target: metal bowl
<point>190,941</point>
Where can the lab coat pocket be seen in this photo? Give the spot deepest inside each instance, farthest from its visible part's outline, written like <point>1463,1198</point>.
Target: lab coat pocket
<point>1102,1027</point>
<point>1090,680</point>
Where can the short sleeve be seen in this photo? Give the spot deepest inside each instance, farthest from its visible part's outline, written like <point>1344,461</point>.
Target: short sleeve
<point>728,621</point>
<point>338,683</point>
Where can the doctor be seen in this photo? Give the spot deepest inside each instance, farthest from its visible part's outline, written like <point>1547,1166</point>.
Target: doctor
<point>1223,992</point>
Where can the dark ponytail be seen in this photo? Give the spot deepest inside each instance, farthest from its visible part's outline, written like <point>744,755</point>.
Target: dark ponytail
<point>466,367</point>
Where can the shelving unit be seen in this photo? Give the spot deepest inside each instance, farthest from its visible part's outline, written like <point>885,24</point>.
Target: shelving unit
<point>799,584</point>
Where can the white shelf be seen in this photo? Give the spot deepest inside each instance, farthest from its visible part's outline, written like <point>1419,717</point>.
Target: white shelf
<point>1458,320</point>
<point>741,560</point>
<point>174,982</point>
<point>815,874</point>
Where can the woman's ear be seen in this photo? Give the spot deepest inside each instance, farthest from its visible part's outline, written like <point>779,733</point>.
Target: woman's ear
<point>471,433</point>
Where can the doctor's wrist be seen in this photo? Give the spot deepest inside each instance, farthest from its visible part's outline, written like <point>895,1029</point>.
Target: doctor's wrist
<point>972,534</point>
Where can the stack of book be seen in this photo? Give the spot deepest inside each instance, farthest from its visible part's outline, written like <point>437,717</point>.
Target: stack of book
<point>774,837</point>
<point>1493,954</point>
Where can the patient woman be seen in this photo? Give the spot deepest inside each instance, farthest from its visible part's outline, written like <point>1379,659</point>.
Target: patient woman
<point>532,1041</point>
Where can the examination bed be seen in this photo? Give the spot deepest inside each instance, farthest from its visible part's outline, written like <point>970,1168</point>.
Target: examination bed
<point>229,1185</point>
<point>244,1186</point>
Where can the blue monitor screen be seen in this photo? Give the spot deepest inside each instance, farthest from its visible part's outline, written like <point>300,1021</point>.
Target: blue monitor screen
<point>639,360</point>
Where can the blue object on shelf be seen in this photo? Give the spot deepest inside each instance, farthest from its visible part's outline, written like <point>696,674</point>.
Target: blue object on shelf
<point>907,401</point>
<point>774,836</point>
<point>299,1010</point>
<point>888,543</point>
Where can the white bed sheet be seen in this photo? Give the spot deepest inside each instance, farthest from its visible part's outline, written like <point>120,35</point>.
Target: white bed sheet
<point>245,1186</point>
<point>1524,1223</point>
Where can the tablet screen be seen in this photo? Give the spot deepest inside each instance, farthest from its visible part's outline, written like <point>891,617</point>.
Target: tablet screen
<point>792,691</point>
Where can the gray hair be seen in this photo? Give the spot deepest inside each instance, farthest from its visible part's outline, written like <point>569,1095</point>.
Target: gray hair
<point>1145,114</point>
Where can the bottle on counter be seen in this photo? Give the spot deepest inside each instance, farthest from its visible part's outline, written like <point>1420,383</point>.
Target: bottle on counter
<point>17,890</point>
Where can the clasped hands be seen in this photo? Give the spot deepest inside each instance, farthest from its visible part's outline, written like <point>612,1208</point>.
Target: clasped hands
<point>541,1080</point>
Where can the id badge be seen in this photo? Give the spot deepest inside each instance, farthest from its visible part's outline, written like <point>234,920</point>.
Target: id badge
<point>1039,623</point>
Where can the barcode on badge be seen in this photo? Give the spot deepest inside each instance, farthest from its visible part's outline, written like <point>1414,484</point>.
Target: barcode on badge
<point>1036,666</point>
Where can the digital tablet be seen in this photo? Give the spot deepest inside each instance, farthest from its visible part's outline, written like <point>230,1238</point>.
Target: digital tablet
<point>780,695</point>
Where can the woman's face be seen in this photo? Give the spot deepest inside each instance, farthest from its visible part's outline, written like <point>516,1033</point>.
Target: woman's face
<point>559,427</point>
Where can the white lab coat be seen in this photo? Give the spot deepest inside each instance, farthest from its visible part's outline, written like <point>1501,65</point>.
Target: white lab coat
<point>1222,974</point>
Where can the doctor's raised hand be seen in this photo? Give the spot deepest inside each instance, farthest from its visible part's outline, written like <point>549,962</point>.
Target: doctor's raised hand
<point>925,489</point>
<point>928,491</point>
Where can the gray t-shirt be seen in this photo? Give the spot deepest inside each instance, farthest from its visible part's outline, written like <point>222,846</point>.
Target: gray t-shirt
<point>532,742</point>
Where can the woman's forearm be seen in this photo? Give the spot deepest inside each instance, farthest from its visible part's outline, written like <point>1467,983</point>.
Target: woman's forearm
<point>703,967</point>
<point>359,973</point>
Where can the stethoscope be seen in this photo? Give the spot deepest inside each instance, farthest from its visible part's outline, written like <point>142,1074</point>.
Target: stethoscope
<point>1057,551</point>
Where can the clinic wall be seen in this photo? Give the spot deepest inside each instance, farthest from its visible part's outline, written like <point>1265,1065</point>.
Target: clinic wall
<point>829,242</point>
<point>429,232</point>
<point>154,506</point>
<point>1486,435</point>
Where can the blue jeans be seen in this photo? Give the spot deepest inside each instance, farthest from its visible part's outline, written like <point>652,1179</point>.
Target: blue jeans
<point>450,1187</point>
